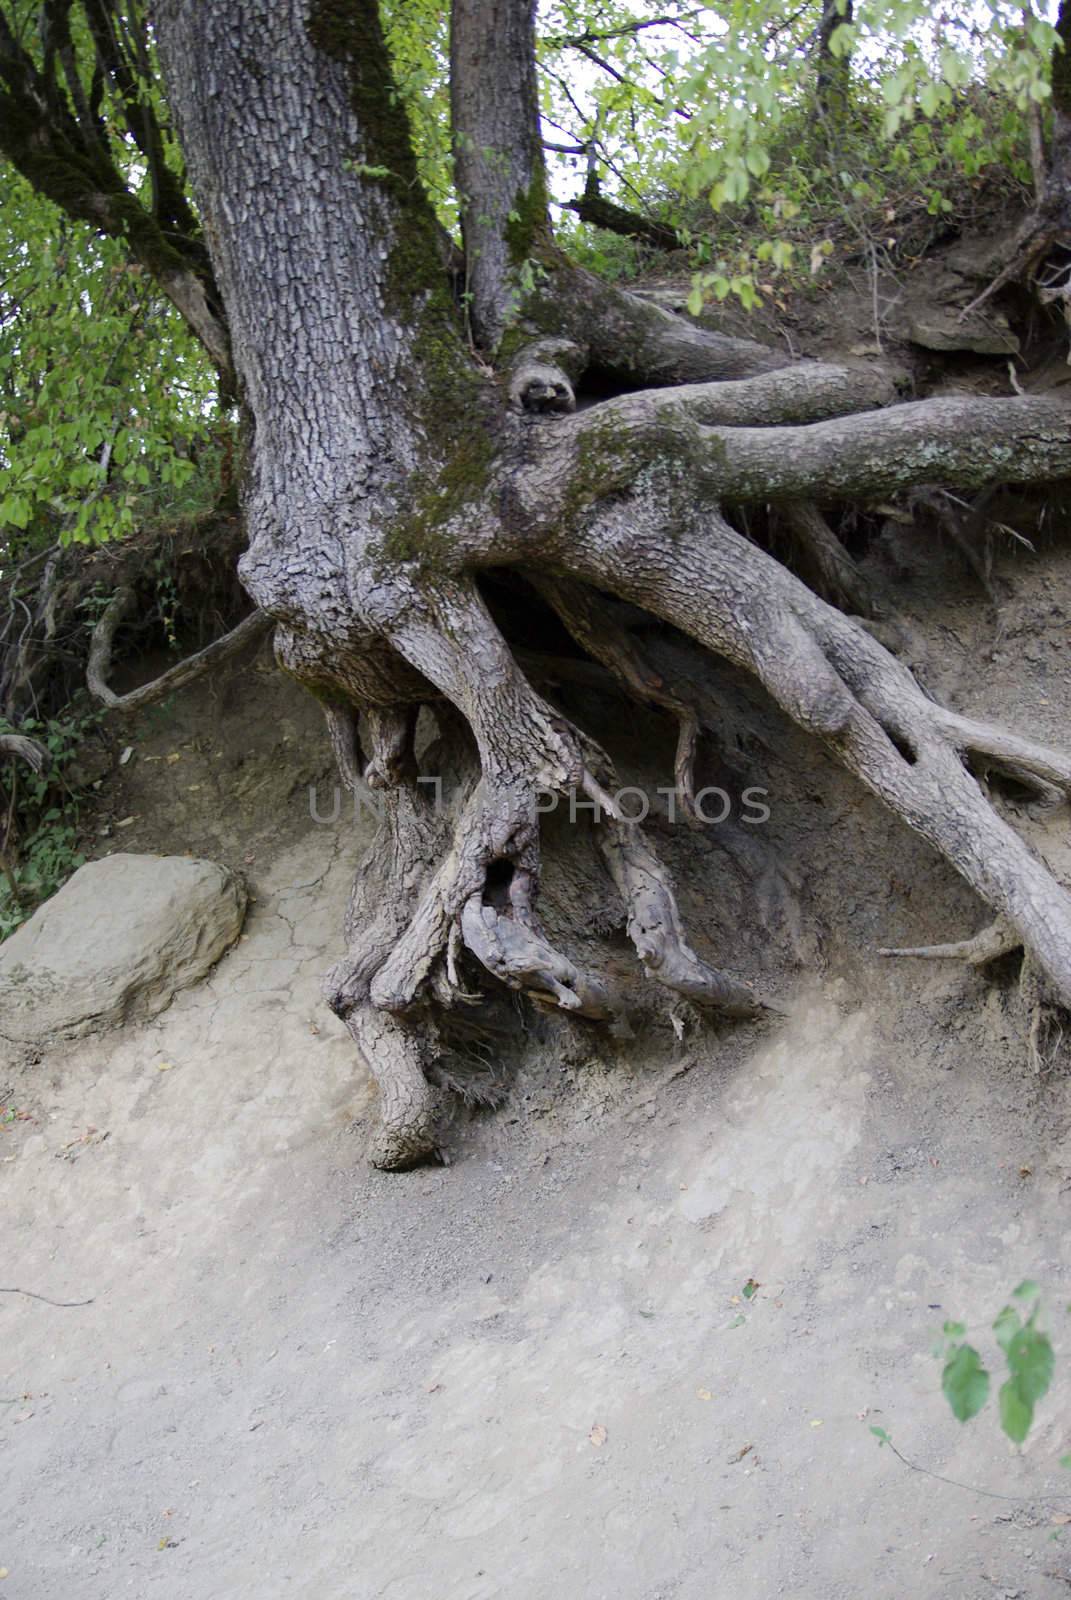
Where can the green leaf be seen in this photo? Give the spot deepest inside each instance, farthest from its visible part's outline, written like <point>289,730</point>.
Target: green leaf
<point>1016,1412</point>
<point>965,1383</point>
<point>1006,1326</point>
<point>1027,1290</point>
<point>1031,1363</point>
<point>880,1435</point>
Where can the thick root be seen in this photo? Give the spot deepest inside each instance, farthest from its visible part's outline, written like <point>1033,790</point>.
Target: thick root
<point>834,678</point>
<point>411,1108</point>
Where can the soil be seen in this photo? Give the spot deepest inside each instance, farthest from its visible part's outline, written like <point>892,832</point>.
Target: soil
<point>634,1340</point>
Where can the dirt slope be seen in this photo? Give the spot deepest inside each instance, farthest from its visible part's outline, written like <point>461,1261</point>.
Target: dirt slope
<point>298,1377</point>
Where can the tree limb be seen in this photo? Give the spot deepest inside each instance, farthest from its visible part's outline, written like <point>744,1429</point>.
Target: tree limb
<point>252,627</point>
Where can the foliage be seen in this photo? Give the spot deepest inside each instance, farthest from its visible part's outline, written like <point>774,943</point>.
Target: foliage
<point>1028,1355</point>
<point>715,121</point>
<point>39,820</point>
<point>104,396</point>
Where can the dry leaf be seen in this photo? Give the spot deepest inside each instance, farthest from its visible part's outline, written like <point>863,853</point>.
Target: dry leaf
<point>816,1422</point>
<point>598,1434</point>
<point>165,1066</point>
<point>704,1394</point>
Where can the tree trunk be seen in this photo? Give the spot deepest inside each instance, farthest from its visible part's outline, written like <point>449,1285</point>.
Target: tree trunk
<point>498,153</point>
<point>387,472</point>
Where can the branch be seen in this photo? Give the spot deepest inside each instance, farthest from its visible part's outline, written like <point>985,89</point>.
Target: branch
<point>254,626</point>
<point>810,391</point>
<point>963,441</point>
<point>592,36</point>
<point>636,341</point>
<point>592,208</point>
<point>70,163</point>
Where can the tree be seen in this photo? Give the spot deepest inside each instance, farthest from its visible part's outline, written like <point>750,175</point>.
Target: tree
<point>414,432</point>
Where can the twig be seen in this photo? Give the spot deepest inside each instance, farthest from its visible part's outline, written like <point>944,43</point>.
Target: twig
<point>990,1494</point>
<point>31,1296</point>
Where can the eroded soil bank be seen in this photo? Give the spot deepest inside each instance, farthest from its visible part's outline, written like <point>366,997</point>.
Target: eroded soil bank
<point>536,1371</point>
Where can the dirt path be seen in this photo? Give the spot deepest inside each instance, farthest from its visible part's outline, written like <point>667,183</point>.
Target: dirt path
<point>534,1372</point>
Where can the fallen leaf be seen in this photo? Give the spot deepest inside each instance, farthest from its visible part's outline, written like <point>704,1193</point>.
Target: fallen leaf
<point>598,1435</point>
<point>751,1289</point>
<point>3,1572</point>
<point>124,822</point>
<point>165,1066</point>
<point>176,755</point>
<point>740,1454</point>
<point>816,1422</point>
<point>1060,1519</point>
<point>704,1394</point>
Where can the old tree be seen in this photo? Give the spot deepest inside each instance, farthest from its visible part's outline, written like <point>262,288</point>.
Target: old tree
<point>413,430</point>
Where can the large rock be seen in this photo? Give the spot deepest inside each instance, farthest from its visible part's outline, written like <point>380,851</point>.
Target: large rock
<point>115,944</point>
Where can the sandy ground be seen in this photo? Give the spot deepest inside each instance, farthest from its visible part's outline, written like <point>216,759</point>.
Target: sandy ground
<point>536,1372</point>
<point>533,1372</point>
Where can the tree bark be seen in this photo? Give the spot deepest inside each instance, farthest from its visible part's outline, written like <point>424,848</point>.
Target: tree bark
<point>498,152</point>
<point>387,472</point>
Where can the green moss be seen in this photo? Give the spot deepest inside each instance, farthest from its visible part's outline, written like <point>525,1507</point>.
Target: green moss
<point>610,457</point>
<point>527,226</point>
<point>350,31</point>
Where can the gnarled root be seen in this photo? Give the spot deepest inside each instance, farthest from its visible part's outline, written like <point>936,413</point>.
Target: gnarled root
<point>835,679</point>
<point>436,880</point>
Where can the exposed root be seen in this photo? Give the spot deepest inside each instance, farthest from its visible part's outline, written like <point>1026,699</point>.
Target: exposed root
<point>412,1111</point>
<point>824,559</point>
<point>510,943</point>
<point>98,668</point>
<point>1036,236</point>
<point>595,624</point>
<point>997,939</point>
<point>655,928</point>
<point>838,682</point>
<point>29,750</point>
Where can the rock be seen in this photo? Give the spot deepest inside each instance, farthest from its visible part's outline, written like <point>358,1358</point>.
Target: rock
<point>940,329</point>
<point>115,944</point>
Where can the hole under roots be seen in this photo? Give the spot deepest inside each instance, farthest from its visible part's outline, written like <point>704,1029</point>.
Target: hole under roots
<point>497,884</point>
<point>903,748</point>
